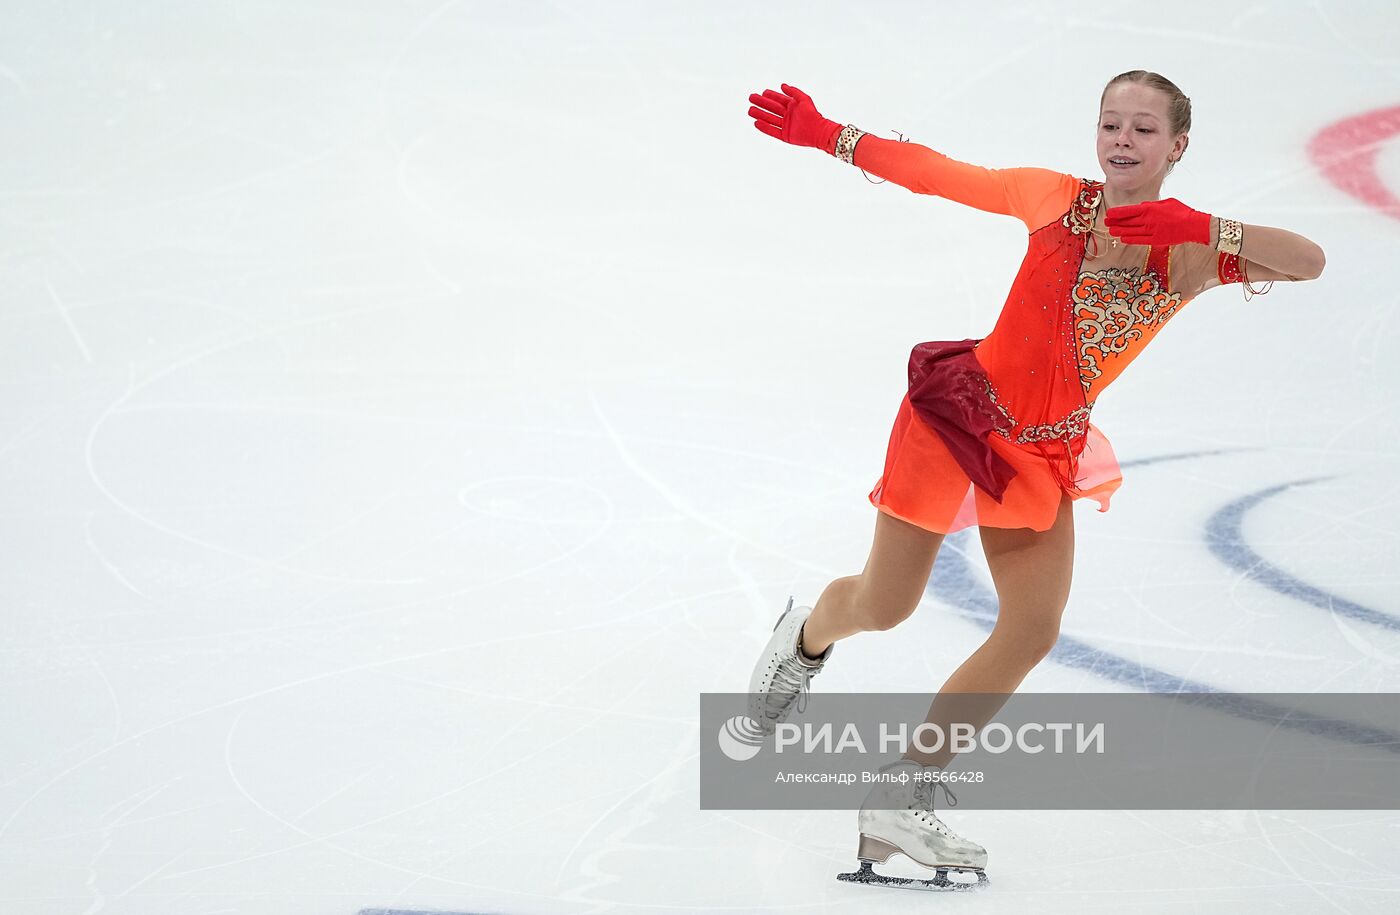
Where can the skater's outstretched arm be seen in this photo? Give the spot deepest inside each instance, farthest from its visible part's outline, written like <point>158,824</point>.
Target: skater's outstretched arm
<point>1036,196</point>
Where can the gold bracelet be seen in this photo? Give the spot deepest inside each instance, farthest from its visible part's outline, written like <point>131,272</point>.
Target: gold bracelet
<point>1231,236</point>
<point>846,143</point>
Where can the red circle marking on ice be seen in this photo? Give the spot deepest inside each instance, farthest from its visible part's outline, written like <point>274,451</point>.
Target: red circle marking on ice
<point>1345,152</point>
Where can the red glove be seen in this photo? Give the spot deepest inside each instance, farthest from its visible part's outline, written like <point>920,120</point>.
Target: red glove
<point>793,119</point>
<point>1158,222</point>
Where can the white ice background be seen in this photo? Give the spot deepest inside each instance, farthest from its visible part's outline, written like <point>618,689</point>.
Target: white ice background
<point>408,409</point>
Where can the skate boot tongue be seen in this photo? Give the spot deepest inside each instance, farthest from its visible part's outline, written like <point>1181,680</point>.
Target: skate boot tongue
<point>781,678</point>
<point>790,679</point>
<point>924,792</point>
<point>924,787</point>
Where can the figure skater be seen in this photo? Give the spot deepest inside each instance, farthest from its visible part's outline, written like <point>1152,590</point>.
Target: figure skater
<point>995,431</point>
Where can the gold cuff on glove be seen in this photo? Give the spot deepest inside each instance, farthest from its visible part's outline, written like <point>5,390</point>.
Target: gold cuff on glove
<point>846,143</point>
<point>1231,236</point>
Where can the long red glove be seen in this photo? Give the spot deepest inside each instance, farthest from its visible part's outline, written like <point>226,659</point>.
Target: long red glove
<point>1158,222</point>
<point>791,117</point>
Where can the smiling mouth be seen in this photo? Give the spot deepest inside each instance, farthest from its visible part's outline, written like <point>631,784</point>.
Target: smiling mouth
<point>1125,164</point>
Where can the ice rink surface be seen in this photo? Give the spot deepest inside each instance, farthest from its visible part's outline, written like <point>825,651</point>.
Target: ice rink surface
<point>410,408</point>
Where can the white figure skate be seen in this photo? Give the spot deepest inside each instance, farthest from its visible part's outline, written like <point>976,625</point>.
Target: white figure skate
<point>899,818</point>
<point>782,673</point>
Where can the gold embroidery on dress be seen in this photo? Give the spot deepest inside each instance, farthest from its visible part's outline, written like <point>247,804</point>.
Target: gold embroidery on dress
<point>1074,424</point>
<point>1113,308</point>
<point>1005,422</point>
<point>1079,218</point>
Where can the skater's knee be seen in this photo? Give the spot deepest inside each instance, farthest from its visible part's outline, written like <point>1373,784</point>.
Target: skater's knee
<point>880,617</point>
<point>1042,644</point>
<point>1030,643</point>
<point>876,607</point>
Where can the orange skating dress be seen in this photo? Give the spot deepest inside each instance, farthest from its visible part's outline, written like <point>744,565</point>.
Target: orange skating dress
<point>993,430</point>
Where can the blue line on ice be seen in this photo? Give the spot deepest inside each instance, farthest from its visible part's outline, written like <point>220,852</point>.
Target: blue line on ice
<point>954,583</point>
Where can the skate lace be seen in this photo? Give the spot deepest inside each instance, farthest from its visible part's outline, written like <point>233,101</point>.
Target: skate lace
<point>924,793</point>
<point>790,680</point>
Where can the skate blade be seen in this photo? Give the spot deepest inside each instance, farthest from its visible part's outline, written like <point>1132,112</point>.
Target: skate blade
<point>939,881</point>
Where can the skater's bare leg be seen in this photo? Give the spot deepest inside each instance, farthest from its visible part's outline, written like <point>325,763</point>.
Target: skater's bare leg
<point>1032,571</point>
<point>885,593</point>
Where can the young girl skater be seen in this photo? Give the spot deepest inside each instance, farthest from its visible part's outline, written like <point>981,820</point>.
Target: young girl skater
<point>995,431</point>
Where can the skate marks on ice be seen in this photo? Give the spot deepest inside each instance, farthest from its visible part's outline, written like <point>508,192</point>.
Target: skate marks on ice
<point>420,912</point>
<point>955,583</point>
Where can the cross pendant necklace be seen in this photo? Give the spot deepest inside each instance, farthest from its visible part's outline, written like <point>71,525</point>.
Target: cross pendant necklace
<point>1103,206</point>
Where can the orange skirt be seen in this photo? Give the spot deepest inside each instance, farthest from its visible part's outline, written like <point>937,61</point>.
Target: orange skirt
<point>924,485</point>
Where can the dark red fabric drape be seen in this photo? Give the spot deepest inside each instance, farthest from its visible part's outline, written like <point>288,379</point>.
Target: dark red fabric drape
<point>948,389</point>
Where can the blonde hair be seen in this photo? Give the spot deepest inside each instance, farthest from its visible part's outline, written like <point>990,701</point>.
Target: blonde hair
<point>1178,105</point>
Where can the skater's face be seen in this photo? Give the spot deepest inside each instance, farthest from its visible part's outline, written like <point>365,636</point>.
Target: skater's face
<point>1134,124</point>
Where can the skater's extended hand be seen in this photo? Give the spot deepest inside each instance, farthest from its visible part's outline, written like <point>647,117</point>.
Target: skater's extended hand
<point>791,117</point>
<point>1158,222</point>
